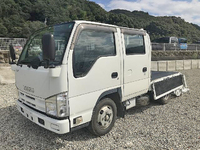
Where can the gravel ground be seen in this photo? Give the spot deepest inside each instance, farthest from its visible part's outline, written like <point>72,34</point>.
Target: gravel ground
<point>175,125</point>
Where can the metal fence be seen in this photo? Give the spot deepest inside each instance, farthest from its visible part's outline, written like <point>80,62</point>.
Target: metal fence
<point>18,43</point>
<point>167,46</point>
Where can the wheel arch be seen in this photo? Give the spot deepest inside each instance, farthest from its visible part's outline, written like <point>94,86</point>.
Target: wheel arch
<point>116,96</point>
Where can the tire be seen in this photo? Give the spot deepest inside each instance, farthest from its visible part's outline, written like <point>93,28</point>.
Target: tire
<point>178,92</point>
<point>103,118</point>
<point>164,100</point>
<point>143,101</point>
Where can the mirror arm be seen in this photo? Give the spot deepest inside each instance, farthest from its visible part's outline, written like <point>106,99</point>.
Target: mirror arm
<point>11,62</point>
<point>47,65</point>
<point>12,54</point>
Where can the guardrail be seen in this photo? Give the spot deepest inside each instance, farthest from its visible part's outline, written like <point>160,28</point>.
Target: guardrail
<point>167,46</point>
<point>19,43</point>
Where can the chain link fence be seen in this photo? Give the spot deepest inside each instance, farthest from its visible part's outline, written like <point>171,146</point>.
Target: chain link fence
<point>18,43</point>
<point>167,47</point>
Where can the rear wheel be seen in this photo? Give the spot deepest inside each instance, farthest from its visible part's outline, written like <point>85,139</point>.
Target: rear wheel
<point>164,100</point>
<point>103,117</point>
<point>178,92</point>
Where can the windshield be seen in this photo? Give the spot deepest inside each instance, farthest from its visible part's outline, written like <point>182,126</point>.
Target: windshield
<point>32,52</point>
<point>182,40</point>
<point>174,40</point>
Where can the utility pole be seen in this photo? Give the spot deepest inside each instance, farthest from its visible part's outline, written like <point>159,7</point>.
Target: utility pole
<point>45,21</point>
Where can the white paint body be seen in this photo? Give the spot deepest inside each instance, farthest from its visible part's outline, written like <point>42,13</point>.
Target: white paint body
<point>84,92</point>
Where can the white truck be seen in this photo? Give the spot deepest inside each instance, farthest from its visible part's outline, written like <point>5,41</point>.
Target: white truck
<point>85,74</point>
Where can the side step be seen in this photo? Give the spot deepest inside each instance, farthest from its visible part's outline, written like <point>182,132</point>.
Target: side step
<point>138,101</point>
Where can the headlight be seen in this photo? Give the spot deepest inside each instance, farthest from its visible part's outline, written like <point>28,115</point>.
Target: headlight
<point>51,106</point>
<point>62,105</point>
<point>58,105</point>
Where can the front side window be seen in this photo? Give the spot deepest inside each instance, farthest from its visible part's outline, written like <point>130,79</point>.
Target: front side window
<point>182,40</point>
<point>32,52</point>
<point>90,46</point>
<point>134,44</point>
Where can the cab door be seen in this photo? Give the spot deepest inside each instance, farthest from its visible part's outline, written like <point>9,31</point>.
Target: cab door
<point>93,67</point>
<point>136,62</point>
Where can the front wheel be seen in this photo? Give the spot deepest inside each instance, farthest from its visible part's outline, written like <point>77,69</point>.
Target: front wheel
<point>103,118</point>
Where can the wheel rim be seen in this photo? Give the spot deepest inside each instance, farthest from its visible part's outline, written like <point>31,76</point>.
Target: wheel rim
<point>166,97</point>
<point>178,92</point>
<point>105,116</point>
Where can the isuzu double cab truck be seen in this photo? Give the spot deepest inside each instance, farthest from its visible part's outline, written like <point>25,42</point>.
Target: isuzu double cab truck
<point>85,74</point>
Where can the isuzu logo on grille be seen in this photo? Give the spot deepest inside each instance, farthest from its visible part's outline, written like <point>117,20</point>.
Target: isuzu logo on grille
<point>29,89</point>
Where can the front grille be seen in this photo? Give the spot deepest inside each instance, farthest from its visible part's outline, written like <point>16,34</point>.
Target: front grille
<point>30,97</point>
<point>33,105</point>
<point>34,102</point>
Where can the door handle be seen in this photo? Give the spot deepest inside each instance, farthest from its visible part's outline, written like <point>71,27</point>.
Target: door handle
<point>114,75</point>
<point>144,69</point>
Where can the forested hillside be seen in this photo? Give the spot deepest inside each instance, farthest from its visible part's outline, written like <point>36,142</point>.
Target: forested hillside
<point>163,26</point>
<point>19,18</point>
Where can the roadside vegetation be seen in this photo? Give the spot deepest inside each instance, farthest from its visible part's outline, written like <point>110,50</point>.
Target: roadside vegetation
<point>19,18</point>
<point>175,55</point>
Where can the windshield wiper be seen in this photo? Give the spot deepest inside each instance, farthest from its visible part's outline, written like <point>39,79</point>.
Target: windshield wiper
<point>24,62</point>
<point>35,63</point>
<point>29,63</point>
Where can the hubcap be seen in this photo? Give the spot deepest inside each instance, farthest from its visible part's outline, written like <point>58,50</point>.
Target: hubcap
<point>105,116</point>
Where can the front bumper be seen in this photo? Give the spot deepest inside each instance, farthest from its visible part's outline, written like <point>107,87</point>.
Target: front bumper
<point>54,125</point>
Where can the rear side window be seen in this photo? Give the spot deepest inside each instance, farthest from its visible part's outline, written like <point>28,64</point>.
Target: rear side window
<point>134,44</point>
<point>90,46</point>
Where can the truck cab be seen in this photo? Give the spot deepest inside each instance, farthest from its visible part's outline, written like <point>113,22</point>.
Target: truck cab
<point>82,73</point>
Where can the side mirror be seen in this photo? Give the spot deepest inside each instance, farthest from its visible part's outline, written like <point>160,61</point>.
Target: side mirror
<point>48,47</point>
<point>12,53</point>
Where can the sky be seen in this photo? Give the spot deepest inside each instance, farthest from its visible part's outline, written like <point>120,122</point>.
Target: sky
<point>189,10</point>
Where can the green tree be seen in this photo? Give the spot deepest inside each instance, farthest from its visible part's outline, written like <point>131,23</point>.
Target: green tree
<point>3,30</point>
<point>19,18</point>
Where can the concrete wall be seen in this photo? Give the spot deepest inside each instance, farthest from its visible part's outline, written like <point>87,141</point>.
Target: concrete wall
<point>173,65</point>
<point>8,76</point>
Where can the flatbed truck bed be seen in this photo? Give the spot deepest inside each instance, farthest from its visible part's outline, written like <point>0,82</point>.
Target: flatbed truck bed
<point>164,83</point>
